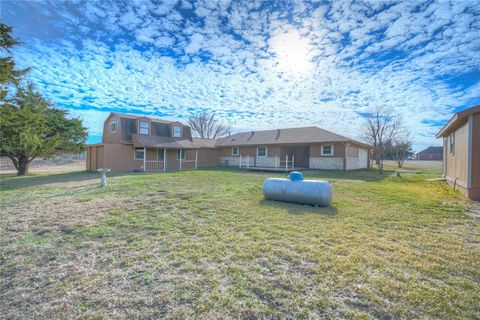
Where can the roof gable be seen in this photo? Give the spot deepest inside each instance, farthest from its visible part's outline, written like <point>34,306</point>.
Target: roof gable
<point>457,119</point>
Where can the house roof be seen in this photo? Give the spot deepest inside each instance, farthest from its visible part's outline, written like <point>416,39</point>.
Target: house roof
<point>132,116</point>
<point>204,143</point>
<point>284,136</point>
<point>432,150</point>
<point>147,141</point>
<point>458,119</point>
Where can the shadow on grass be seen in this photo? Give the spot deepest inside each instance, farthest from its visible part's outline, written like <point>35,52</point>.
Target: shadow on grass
<point>12,181</point>
<point>298,208</point>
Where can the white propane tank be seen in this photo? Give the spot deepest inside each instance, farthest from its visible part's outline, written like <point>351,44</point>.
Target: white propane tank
<point>297,190</point>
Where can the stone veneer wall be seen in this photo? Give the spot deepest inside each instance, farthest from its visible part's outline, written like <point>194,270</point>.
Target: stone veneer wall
<point>352,163</point>
<point>232,161</point>
<point>266,161</point>
<point>327,163</point>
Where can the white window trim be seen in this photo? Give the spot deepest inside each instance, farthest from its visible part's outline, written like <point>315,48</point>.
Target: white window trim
<point>158,153</point>
<point>326,154</point>
<point>266,152</point>
<point>182,152</point>
<point>237,153</point>
<point>113,122</point>
<point>140,127</point>
<point>135,154</point>
<point>176,126</point>
<point>450,143</point>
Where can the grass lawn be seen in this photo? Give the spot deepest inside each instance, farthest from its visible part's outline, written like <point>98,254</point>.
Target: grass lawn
<point>205,244</point>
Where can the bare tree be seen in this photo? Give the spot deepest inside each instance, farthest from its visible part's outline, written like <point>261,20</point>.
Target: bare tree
<point>207,126</point>
<point>381,126</point>
<point>402,146</point>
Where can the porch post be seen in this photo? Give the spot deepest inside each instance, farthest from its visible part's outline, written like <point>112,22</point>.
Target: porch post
<point>286,163</point>
<point>240,162</point>
<point>276,162</point>
<point>293,162</point>
<point>144,159</point>
<point>196,158</point>
<point>181,153</point>
<point>164,159</point>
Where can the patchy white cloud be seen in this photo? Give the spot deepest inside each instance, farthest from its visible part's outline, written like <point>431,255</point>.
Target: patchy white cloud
<point>262,64</point>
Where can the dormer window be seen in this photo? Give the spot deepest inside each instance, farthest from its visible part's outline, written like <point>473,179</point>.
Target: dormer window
<point>177,131</point>
<point>144,127</point>
<point>113,126</point>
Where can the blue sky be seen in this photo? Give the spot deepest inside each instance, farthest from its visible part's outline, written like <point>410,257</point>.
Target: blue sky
<point>257,65</point>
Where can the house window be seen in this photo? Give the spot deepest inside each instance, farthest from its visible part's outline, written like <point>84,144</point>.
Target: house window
<point>139,154</point>
<point>327,150</point>
<point>261,151</point>
<point>160,154</point>
<point>181,154</point>
<point>113,126</point>
<point>234,151</point>
<point>144,127</point>
<point>452,143</point>
<point>177,131</point>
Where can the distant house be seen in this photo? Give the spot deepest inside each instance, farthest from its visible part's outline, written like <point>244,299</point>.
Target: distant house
<point>307,147</point>
<point>431,153</point>
<point>461,151</point>
<point>137,143</point>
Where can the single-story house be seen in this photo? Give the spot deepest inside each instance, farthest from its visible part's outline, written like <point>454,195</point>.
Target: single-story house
<point>461,152</point>
<point>431,153</point>
<point>307,147</point>
<point>139,143</point>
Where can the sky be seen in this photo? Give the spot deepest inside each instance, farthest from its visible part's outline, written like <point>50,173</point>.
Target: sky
<point>256,65</point>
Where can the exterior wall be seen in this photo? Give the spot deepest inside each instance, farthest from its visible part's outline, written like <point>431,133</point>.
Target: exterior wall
<point>456,164</point>
<point>474,192</point>
<point>250,152</point>
<point>173,164</point>
<point>230,161</point>
<point>267,161</point>
<point>338,150</point>
<point>363,158</point>
<point>276,156</point>
<point>208,157</point>
<point>326,163</point>
<point>352,158</point>
<point>109,137</point>
<point>335,162</point>
<point>120,158</point>
<point>430,157</point>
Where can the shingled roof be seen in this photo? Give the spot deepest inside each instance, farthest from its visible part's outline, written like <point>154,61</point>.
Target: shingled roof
<point>140,140</point>
<point>432,150</point>
<point>204,143</point>
<point>285,136</point>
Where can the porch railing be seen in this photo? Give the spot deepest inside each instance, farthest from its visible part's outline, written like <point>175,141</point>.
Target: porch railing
<point>153,166</point>
<point>244,162</point>
<point>287,164</point>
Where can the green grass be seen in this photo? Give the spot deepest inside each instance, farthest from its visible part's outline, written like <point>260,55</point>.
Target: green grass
<point>205,244</point>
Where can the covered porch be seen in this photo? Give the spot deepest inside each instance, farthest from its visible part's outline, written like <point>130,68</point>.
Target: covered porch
<point>160,154</point>
<point>282,158</point>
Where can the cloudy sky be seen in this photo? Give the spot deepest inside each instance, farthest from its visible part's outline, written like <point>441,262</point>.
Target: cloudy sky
<point>257,65</point>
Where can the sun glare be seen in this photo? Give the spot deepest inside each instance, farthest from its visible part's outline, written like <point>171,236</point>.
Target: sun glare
<point>293,52</point>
